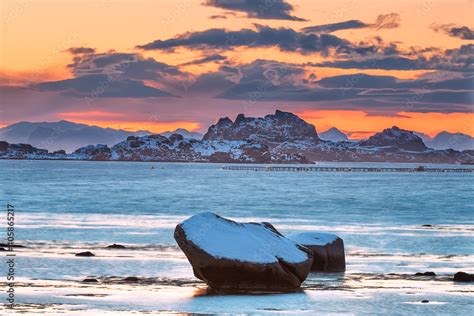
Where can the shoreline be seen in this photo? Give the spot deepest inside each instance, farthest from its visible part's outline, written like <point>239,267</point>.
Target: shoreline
<point>243,162</point>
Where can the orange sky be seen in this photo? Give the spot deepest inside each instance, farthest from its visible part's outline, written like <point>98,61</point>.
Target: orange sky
<point>360,125</point>
<point>122,121</point>
<point>35,35</point>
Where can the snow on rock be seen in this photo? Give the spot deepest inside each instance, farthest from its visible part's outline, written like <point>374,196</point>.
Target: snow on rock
<point>92,152</point>
<point>328,250</point>
<point>396,137</point>
<point>334,135</point>
<point>270,130</point>
<point>242,256</point>
<point>26,151</point>
<point>183,132</point>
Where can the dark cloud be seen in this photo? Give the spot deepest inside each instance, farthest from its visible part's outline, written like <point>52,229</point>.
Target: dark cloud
<point>264,81</point>
<point>253,73</point>
<point>442,81</point>
<point>81,50</point>
<point>114,74</point>
<point>263,36</point>
<point>454,30</point>
<point>258,9</point>
<point>207,59</point>
<point>101,86</point>
<point>383,21</point>
<point>459,59</point>
<point>386,63</point>
<point>133,66</point>
<point>329,28</point>
<point>217,16</point>
<point>212,83</point>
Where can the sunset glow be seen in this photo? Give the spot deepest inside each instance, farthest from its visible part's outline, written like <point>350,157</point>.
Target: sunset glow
<point>160,65</point>
<point>359,124</point>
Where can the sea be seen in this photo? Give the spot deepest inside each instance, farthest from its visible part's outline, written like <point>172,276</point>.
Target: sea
<point>393,226</point>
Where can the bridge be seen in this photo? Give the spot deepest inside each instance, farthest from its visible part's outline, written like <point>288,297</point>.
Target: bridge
<point>345,169</point>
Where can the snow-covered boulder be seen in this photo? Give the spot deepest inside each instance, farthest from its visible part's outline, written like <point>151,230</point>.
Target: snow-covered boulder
<point>328,250</point>
<point>242,256</point>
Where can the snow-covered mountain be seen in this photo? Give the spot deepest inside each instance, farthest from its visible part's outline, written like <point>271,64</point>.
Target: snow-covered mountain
<point>177,148</point>
<point>278,138</point>
<point>183,132</point>
<point>446,140</point>
<point>395,137</point>
<point>62,135</point>
<point>271,130</point>
<point>333,135</point>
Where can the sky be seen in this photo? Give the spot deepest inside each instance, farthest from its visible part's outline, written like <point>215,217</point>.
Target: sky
<point>358,65</point>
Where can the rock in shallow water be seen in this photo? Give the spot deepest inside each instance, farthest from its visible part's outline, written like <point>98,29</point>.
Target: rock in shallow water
<point>90,280</point>
<point>428,273</point>
<point>242,256</point>
<point>116,246</point>
<point>328,250</point>
<point>85,254</point>
<point>463,277</point>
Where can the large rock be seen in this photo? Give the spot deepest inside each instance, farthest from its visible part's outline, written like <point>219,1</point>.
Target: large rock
<point>328,250</point>
<point>242,256</point>
<point>463,277</point>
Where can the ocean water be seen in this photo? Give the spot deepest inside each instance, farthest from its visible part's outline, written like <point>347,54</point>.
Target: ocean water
<point>64,207</point>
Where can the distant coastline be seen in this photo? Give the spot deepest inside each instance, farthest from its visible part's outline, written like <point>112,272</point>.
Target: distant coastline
<point>278,138</point>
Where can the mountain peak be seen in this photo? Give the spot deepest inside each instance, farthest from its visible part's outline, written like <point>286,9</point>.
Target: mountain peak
<point>184,133</point>
<point>447,140</point>
<point>240,118</point>
<point>269,130</point>
<point>396,137</point>
<point>333,134</point>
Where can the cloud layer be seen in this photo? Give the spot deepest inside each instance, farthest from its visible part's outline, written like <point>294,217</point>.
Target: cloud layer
<point>258,9</point>
<point>453,30</point>
<point>112,75</point>
<point>384,21</point>
<point>286,39</point>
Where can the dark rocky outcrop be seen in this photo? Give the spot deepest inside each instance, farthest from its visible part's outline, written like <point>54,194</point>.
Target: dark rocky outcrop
<point>395,137</point>
<point>428,273</point>
<point>270,130</point>
<point>85,254</point>
<point>116,246</point>
<point>98,152</point>
<point>11,246</point>
<point>463,277</point>
<point>22,151</point>
<point>328,250</point>
<point>90,280</point>
<point>242,256</point>
<point>131,279</point>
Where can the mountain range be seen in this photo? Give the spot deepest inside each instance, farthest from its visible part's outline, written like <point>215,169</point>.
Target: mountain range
<point>445,140</point>
<point>281,137</point>
<point>69,136</point>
